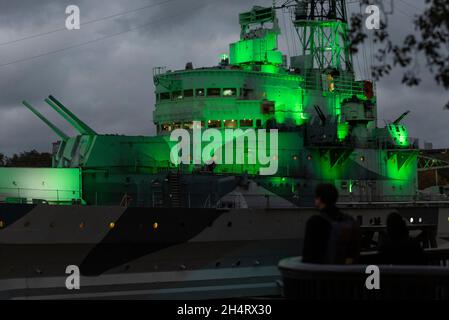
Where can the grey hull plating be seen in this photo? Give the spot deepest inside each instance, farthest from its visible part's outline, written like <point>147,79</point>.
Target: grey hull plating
<point>159,253</point>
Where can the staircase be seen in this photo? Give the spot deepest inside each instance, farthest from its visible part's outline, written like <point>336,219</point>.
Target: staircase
<point>174,190</point>
<point>158,196</point>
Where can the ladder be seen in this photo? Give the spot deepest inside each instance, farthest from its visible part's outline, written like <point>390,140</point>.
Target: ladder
<point>174,190</point>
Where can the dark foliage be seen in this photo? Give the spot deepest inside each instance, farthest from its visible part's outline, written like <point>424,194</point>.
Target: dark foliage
<point>31,159</point>
<point>430,39</point>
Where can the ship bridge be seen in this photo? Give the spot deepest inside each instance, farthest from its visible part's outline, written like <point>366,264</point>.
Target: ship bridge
<point>250,88</point>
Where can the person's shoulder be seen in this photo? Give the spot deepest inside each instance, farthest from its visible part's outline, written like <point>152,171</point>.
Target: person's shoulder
<point>414,244</point>
<point>347,217</point>
<point>317,219</point>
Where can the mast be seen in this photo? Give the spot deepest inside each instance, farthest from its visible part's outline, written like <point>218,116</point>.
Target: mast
<point>322,27</point>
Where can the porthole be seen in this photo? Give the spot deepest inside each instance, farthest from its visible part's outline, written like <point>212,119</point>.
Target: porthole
<point>111,225</point>
<point>155,225</point>
<point>2,224</point>
<point>82,225</point>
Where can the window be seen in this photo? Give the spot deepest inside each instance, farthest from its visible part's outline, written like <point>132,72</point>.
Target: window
<point>188,93</point>
<point>229,92</point>
<point>200,93</point>
<point>268,107</point>
<point>199,126</point>
<point>248,93</point>
<point>213,92</point>
<point>187,125</point>
<point>214,124</point>
<point>246,123</point>
<point>166,127</point>
<point>258,123</point>
<point>177,95</point>
<point>165,96</point>
<point>230,124</point>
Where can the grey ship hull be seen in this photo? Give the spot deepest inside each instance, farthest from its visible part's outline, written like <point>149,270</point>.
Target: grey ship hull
<point>193,253</point>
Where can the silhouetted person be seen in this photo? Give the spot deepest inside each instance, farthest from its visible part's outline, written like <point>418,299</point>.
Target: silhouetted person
<point>331,237</point>
<point>399,248</point>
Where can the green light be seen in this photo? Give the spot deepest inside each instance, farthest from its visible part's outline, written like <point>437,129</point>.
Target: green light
<point>401,165</point>
<point>257,51</point>
<point>49,184</point>
<point>399,135</point>
<point>343,131</point>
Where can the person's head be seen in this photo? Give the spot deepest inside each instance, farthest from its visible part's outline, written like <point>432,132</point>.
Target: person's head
<point>326,195</point>
<point>396,226</point>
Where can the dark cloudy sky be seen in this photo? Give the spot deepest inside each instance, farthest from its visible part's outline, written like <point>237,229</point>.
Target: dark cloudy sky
<point>109,83</point>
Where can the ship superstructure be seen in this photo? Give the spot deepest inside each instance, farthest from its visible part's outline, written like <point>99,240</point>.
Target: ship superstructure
<point>326,120</point>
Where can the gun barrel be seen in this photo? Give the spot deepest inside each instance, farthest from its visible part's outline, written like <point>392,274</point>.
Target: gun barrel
<point>58,131</point>
<point>69,116</point>
<point>398,120</point>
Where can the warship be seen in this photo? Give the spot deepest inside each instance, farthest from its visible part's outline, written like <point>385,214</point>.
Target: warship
<point>140,225</point>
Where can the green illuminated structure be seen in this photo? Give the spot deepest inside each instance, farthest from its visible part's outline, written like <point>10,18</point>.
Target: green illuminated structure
<point>327,123</point>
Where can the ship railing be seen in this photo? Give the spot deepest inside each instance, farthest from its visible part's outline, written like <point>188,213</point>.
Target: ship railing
<point>305,281</point>
<point>159,70</point>
<point>343,85</point>
<point>237,200</point>
<point>36,196</point>
<point>434,257</point>
<point>367,197</point>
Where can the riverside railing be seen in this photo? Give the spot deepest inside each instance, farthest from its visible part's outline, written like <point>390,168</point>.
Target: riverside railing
<point>310,281</point>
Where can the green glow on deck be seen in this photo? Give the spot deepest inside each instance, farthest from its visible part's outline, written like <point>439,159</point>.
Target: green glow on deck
<point>402,165</point>
<point>49,184</point>
<point>343,130</point>
<point>399,135</point>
